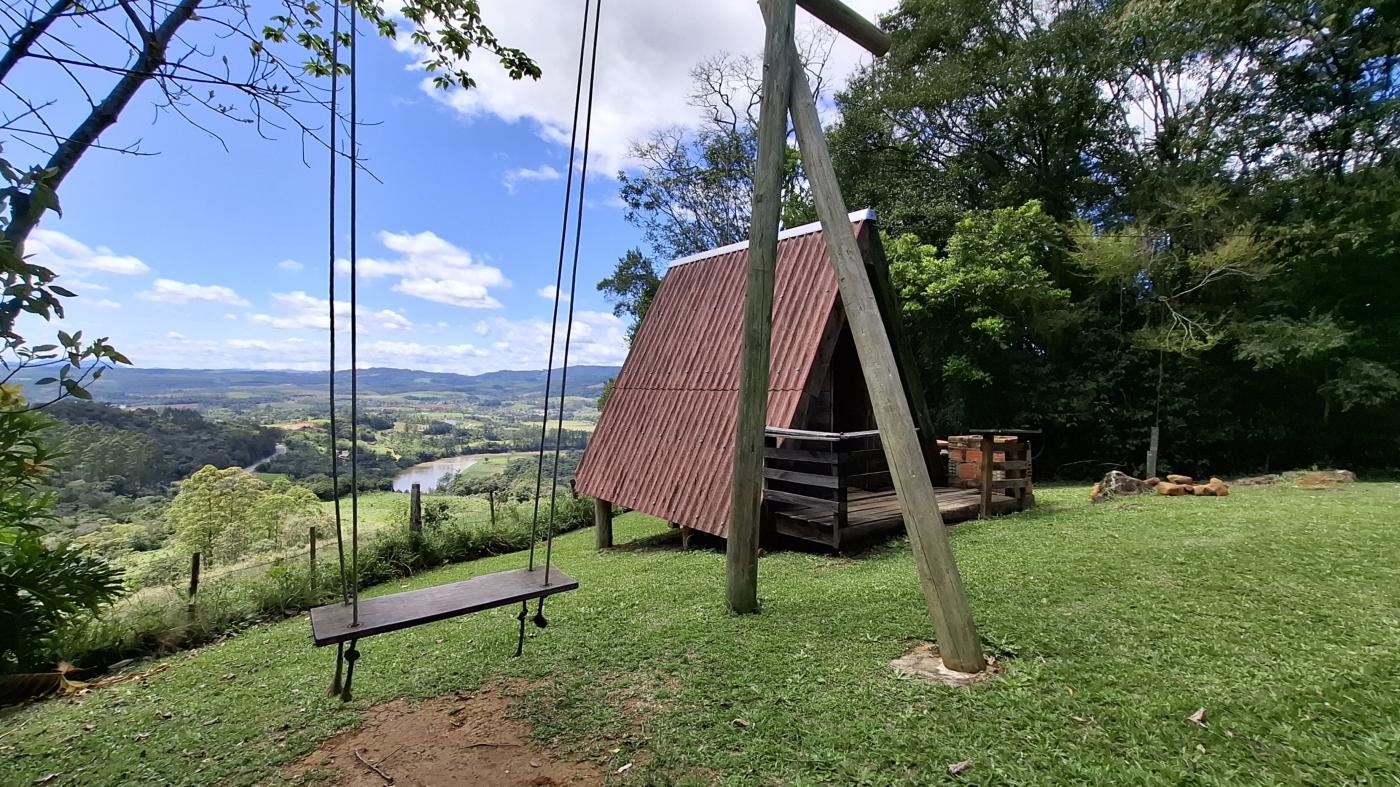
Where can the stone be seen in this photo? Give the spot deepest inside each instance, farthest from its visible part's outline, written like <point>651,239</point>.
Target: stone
<point>1169,489</point>
<point>1180,479</point>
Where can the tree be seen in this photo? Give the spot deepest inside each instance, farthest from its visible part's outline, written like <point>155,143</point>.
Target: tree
<point>223,513</point>
<point>42,587</point>
<point>1225,185</point>
<point>984,308</point>
<point>631,288</point>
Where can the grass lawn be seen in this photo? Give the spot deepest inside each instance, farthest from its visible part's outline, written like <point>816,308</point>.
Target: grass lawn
<point>1275,609</point>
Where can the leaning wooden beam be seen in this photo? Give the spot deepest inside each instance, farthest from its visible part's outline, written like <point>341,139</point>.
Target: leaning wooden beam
<point>746,490</point>
<point>850,24</point>
<point>958,643</point>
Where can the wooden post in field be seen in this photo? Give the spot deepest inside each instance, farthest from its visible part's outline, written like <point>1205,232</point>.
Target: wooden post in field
<point>491,503</point>
<point>415,511</point>
<point>194,582</point>
<point>311,544</point>
<point>1152,453</point>
<point>602,523</point>
<point>746,492</point>
<point>958,643</point>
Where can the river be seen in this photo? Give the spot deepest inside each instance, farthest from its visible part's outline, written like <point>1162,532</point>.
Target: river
<point>428,474</point>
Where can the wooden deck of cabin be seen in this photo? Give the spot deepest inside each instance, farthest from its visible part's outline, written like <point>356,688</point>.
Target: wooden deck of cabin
<point>835,489</point>
<point>873,514</point>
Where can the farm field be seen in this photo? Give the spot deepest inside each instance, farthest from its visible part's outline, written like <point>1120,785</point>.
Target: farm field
<point>1277,610</point>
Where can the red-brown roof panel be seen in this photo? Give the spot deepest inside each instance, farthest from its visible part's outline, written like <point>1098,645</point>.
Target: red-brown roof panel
<point>665,442</point>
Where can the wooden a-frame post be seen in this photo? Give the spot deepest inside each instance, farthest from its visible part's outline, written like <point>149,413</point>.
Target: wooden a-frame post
<point>958,642</point>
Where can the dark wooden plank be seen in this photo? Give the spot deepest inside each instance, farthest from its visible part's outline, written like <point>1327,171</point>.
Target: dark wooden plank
<point>801,500</point>
<point>331,624</point>
<point>796,477</point>
<point>800,455</point>
<point>824,437</point>
<point>1013,464</point>
<point>1010,483</point>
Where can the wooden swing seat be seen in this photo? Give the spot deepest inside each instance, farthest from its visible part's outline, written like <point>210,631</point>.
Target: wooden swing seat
<point>330,624</point>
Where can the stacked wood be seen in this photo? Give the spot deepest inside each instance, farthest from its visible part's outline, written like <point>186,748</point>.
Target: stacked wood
<point>1214,488</point>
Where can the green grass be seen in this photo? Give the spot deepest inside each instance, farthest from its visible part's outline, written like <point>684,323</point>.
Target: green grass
<point>1276,609</point>
<point>494,464</point>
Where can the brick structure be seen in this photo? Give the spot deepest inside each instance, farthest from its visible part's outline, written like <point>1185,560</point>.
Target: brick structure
<point>965,461</point>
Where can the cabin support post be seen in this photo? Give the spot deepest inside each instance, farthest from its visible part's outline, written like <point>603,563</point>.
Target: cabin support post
<point>746,499</point>
<point>958,643</point>
<point>602,523</point>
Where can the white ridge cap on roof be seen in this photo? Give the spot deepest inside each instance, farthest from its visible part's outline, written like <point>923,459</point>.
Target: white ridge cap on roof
<point>860,215</point>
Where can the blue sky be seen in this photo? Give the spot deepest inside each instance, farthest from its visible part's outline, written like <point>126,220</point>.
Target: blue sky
<point>205,258</point>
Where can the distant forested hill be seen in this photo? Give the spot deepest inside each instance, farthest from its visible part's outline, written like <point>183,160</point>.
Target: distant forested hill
<point>129,452</point>
<point>164,387</point>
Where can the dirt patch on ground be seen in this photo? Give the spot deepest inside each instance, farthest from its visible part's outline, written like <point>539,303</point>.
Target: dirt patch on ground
<point>457,739</point>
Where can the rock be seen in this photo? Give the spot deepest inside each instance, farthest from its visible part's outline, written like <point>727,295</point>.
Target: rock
<point>1202,490</point>
<point>1180,479</point>
<point>1169,489</point>
<point>1326,477</point>
<point>1218,487</point>
<point>1115,483</point>
<point>1260,480</point>
<point>1153,481</point>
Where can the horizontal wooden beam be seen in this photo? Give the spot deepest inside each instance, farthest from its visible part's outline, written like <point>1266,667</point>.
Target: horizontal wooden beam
<point>809,479</point>
<point>848,22</point>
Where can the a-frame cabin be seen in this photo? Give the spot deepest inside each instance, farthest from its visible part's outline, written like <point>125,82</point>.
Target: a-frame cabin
<point>665,442</point>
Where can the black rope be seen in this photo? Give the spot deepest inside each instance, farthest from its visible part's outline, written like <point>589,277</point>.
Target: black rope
<point>554,319</point>
<point>335,456</point>
<point>354,347</point>
<point>569,325</point>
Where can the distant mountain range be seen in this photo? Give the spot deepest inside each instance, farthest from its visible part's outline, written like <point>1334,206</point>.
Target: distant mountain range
<point>171,386</point>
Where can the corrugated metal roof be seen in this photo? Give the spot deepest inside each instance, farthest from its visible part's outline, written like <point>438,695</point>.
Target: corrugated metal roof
<point>665,442</point>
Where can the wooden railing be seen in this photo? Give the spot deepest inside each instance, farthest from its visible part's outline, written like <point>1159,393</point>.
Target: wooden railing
<point>816,470</point>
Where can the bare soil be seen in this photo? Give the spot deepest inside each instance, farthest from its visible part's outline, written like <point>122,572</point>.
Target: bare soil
<point>456,739</point>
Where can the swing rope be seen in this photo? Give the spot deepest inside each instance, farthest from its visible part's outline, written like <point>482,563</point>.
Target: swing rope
<point>539,619</point>
<point>347,651</point>
<point>335,687</point>
<point>349,574</point>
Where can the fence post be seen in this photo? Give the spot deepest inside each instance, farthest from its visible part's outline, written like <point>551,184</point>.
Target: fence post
<point>415,510</point>
<point>491,497</point>
<point>573,491</point>
<point>1152,453</point>
<point>311,542</point>
<point>194,581</point>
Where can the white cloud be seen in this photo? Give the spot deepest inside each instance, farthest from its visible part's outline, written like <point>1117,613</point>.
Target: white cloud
<point>434,269</point>
<point>66,255</point>
<point>598,338</point>
<point>174,335</point>
<point>171,291</point>
<point>299,311</point>
<point>547,292</point>
<point>542,172</point>
<point>290,265</point>
<point>105,303</point>
<point>645,54</point>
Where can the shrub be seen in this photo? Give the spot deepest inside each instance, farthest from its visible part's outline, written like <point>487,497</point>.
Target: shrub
<point>160,620</point>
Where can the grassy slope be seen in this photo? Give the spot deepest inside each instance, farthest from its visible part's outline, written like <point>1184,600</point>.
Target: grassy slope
<point>1275,609</point>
